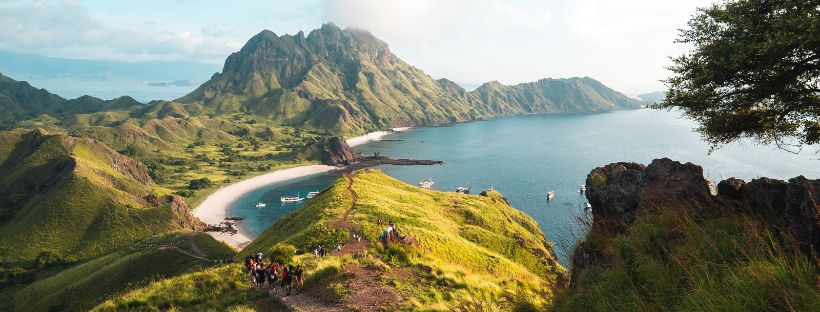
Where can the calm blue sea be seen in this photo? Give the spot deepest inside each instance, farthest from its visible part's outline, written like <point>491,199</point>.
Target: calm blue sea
<point>524,157</point>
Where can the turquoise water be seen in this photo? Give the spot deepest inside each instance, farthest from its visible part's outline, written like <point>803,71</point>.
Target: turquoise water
<point>524,157</point>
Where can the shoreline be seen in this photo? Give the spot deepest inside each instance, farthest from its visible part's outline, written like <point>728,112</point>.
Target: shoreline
<point>373,136</point>
<point>215,208</point>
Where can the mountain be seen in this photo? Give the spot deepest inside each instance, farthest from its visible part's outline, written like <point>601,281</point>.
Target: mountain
<point>66,199</point>
<point>348,81</point>
<point>652,97</point>
<point>20,101</point>
<point>33,66</point>
<point>453,251</point>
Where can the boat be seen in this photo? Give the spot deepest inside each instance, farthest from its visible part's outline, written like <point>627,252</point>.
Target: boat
<point>261,205</point>
<point>583,188</point>
<point>291,199</point>
<point>550,195</point>
<point>463,189</point>
<point>587,206</point>
<point>312,194</point>
<point>426,184</point>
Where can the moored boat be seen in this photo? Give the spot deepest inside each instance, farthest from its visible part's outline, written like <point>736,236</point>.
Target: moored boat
<point>261,205</point>
<point>426,184</point>
<point>550,195</point>
<point>312,194</point>
<point>463,189</point>
<point>291,199</point>
<point>583,188</point>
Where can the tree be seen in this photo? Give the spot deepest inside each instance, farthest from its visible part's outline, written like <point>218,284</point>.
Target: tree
<point>753,72</point>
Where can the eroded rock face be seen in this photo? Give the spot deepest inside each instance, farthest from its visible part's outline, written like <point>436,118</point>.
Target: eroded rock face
<point>793,207</point>
<point>335,151</point>
<point>620,192</point>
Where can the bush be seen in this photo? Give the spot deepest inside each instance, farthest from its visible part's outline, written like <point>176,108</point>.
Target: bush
<point>47,258</point>
<point>185,193</point>
<point>282,253</point>
<point>198,184</point>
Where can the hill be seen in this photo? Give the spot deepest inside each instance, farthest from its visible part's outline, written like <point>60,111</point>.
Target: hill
<point>652,97</point>
<point>660,241</point>
<point>85,285</point>
<point>66,199</point>
<point>349,82</point>
<point>456,252</point>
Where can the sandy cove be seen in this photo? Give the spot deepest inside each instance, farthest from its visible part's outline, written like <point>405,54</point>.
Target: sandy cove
<point>216,207</point>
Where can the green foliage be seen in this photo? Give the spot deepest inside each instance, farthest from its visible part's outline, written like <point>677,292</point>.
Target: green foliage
<point>753,72</point>
<point>198,184</point>
<point>281,253</point>
<point>669,261</point>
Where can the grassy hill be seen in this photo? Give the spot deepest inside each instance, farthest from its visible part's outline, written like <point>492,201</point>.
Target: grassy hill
<point>65,199</point>
<point>85,285</point>
<point>459,252</point>
<point>661,242</point>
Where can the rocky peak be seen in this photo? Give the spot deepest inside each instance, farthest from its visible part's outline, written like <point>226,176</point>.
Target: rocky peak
<point>335,151</point>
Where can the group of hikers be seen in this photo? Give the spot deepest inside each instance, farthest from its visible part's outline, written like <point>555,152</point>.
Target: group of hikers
<point>274,274</point>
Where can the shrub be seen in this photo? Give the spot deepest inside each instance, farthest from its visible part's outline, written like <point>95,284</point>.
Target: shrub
<point>198,184</point>
<point>282,253</point>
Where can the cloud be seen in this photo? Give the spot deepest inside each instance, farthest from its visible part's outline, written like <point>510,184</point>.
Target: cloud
<point>67,29</point>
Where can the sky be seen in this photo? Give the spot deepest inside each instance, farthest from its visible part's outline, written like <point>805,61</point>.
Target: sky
<point>626,44</point>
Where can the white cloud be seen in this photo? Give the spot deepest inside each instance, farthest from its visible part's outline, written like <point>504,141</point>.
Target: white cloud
<point>66,29</point>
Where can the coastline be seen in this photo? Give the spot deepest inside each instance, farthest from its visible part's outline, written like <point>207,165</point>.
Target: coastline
<point>373,136</point>
<point>215,208</point>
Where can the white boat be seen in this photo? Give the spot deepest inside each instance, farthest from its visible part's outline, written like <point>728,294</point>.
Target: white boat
<point>463,189</point>
<point>550,195</point>
<point>583,188</point>
<point>312,194</point>
<point>291,199</point>
<point>588,206</point>
<point>261,205</point>
<point>426,184</point>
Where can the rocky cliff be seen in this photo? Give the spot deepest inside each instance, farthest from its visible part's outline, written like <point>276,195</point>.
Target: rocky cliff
<point>658,239</point>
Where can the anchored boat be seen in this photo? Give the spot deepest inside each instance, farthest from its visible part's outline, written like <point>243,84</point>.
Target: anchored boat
<point>291,199</point>
<point>463,189</point>
<point>583,188</point>
<point>312,194</point>
<point>550,195</point>
<point>261,205</point>
<point>426,184</point>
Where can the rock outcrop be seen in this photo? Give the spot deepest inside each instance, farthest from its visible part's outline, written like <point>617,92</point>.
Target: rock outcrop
<point>334,151</point>
<point>621,193</point>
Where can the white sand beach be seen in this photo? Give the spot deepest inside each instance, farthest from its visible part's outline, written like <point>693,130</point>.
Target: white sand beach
<point>373,136</point>
<point>214,209</point>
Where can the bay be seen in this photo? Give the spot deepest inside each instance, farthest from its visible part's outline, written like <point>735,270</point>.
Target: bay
<point>524,157</point>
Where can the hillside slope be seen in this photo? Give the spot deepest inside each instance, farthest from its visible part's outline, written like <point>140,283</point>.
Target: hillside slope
<point>457,252</point>
<point>348,81</point>
<point>83,286</point>
<point>660,241</point>
<point>72,199</point>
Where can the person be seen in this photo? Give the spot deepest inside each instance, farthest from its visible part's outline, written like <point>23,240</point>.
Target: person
<point>284,277</point>
<point>300,279</point>
<point>260,274</point>
<point>272,276</point>
<point>288,280</point>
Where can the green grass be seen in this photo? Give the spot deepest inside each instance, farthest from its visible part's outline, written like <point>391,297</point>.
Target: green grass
<point>668,261</point>
<point>85,285</point>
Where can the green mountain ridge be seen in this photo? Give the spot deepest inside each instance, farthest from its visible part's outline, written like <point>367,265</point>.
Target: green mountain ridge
<point>73,199</point>
<point>348,81</point>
